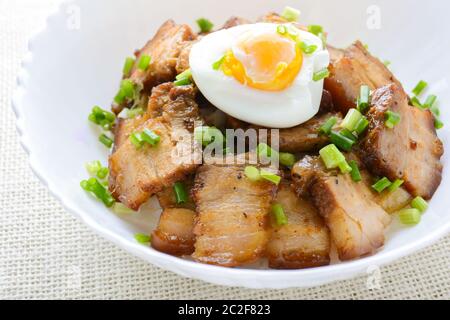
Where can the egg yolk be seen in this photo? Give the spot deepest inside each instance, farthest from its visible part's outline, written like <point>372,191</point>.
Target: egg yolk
<point>266,62</point>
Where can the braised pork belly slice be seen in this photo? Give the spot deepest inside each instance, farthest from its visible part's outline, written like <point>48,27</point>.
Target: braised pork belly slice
<point>232,223</point>
<point>138,173</point>
<point>175,232</point>
<point>349,70</point>
<point>411,151</point>
<point>350,209</point>
<point>304,242</point>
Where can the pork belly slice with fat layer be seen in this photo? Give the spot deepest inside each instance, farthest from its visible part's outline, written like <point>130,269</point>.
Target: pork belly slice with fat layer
<point>410,151</point>
<point>175,232</point>
<point>138,173</point>
<point>349,70</point>
<point>232,222</point>
<point>304,242</point>
<point>356,221</point>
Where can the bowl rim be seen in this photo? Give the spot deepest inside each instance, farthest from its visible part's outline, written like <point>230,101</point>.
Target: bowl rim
<point>341,271</point>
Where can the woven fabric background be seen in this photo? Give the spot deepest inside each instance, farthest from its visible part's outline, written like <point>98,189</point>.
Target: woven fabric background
<point>47,254</point>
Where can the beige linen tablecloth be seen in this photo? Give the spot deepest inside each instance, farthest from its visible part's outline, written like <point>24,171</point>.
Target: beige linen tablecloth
<point>47,254</point>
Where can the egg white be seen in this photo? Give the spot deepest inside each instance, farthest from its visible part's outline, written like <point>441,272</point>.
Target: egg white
<point>281,109</point>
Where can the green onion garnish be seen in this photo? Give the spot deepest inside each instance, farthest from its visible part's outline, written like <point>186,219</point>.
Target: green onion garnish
<point>328,125</point>
<point>107,141</point>
<point>315,29</point>
<point>438,124</point>
<point>287,159</point>
<point>207,135</point>
<point>142,238</point>
<point>430,102</point>
<point>144,62</point>
<point>263,150</point>
<point>320,75</point>
<point>128,66</point>
<point>387,63</point>
<point>98,190</point>
<point>362,126</point>
<point>392,119</point>
<point>279,215</point>
<point>364,99</point>
<point>101,117</point>
<point>333,158</point>
<point>351,120</point>
<point>355,173</point>
<point>395,185</point>
<point>307,49</point>
<point>349,135</point>
<point>420,204</point>
<point>291,14</point>
<point>120,208</point>
<point>341,141</point>
<point>205,25</point>
<point>282,29</point>
<point>184,78</point>
<point>418,89</point>
<point>93,167</point>
<point>136,139</point>
<point>126,91</point>
<point>381,185</point>
<point>181,193</point>
<point>218,64</point>
<point>133,113</point>
<point>150,137</point>
<point>269,176</point>
<point>252,173</point>
<point>416,102</point>
<point>102,173</point>
<point>410,217</point>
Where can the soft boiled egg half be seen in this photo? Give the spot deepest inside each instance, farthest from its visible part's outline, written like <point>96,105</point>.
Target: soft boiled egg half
<point>265,74</point>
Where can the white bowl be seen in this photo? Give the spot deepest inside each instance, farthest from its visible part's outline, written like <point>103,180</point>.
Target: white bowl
<point>76,63</point>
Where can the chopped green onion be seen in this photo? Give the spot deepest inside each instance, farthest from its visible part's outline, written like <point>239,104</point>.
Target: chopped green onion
<point>279,215</point>
<point>101,117</point>
<point>263,150</point>
<point>315,29</point>
<point>207,135</point>
<point>185,74</point>
<point>120,208</point>
<point>98,190</point>
<point>430,102</point>
<point>205,25</point>
<point>352,120</point>
<point>218,64</point>
<point>416,102</point>
<point>355,173</point>
<point>307,49</point>
<point>328,126</point>
<point>410,217</point>
<point>333,158</point>
<point>362,126</point>
<point>128,66</point>
<point>136,139</point>
<point>387,63</point>
<point>133,113</point>
<point>181,193</point>
<point>142,238</point>
<point>418,89</point>
<point>269,176</point>
<point>392,119</point>
<point>320,75</point>
<point>346,133</point>
<point>126,91</point>
<point>93,167</point>
<point>291,14</point>
<point>287,159</point>
<point>252,173</point>
<point>438,124</point>
<point>420,204</point>
<point>282,29</point>
<point>144,62</point>
<point>341,141</point>
<point>364,99</point>
<point>382,184</point>
<point>395,185</point>
<point>102,173</point>
<point>150,137</point>
<point>107,141</point>
<point>184,78</point>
